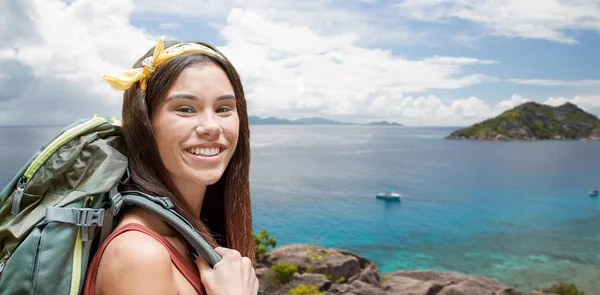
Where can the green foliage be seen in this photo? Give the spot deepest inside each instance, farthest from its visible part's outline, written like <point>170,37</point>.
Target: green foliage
<point>313,246</point>
<point>312,250</point>
<point>541,120</point>
<point>317,255</point>
<point>310,268</point>
<point>263,242</point>
<point>340,280</point>
<point>383,279</point>
<point>329,276</point>
<point>563,289</point>
<point>583,117</point>
<point>281,273</point>
<point>303,289</point>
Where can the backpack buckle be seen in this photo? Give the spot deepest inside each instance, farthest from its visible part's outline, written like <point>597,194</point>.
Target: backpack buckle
<point>88,217</point>
<point>116,202</point>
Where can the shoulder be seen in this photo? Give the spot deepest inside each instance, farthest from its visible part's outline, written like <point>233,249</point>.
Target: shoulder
<point>137,247</point>
<point>135,263</point>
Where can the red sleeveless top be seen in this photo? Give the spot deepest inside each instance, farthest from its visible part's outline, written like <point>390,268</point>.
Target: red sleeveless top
<point>189,271</point>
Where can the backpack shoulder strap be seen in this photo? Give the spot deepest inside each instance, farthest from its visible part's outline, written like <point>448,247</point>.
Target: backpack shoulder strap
<point>165,209</point>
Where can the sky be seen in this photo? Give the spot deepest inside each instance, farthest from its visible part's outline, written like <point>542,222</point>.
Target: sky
<point>417,62</point>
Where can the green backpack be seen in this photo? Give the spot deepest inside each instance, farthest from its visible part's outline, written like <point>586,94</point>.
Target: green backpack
<point>60,206</point>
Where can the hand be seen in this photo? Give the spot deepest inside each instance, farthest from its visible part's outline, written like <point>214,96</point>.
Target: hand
<point>233,275</point>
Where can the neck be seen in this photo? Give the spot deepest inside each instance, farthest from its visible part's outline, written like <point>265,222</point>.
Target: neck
<point>193,195</point>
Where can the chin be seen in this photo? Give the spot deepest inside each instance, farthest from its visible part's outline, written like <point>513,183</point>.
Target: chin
<point>201,176</point>
<point>206,179</point>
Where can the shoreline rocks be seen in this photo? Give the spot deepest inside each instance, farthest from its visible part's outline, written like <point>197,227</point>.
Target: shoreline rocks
<point>338,271</point>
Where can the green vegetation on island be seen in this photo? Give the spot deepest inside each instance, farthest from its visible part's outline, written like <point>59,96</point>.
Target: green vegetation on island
<point>263,242</point>
<point>563,289</point>
<point>534,121</point>
<point>282,273</point>
<point>303,289</point>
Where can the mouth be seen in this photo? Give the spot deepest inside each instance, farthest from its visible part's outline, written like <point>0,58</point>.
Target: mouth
<point>205,151</point>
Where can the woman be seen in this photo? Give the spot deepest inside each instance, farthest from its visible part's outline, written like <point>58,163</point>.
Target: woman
<point>185,124</point>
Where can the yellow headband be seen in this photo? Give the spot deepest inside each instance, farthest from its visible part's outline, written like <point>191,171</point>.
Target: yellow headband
<point>124,80</point>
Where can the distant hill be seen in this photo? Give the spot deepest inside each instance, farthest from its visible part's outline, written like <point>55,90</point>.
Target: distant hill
<point>268,121</point>
<point>317,121</point>
<point>385,123</point>
<point>254,120</point>
<point>534,121</point>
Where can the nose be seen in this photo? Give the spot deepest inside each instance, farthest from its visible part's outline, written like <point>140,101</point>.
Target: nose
<point>208,126</point>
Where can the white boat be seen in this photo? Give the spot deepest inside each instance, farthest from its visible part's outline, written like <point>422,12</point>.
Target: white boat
<point>389,195</point>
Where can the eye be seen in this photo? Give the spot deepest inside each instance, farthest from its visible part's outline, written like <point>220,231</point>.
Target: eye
<point>187,110</point>
<point>224,109</point>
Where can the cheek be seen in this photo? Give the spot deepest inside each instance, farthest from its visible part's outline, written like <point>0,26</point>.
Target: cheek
<point>233,131</point>
<point>164,142</point>
<point>168,137</point>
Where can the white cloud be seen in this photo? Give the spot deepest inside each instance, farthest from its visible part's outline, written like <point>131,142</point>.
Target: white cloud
<point>538,19</point>
<point>542,82</point>
<point>188,8</point>
<point>289,69</point>
<point>432,111</point>
<point>7,54</point>
<point>514,101</point>
<point>75,44</point>
<point>588,102</point>
<point>83,40</point>
<point>338,77</point>
<point>373,27</point>
<point>458,60</point>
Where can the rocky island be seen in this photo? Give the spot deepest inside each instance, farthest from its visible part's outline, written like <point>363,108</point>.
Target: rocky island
<point>385,123</point>
<point>534,121</point>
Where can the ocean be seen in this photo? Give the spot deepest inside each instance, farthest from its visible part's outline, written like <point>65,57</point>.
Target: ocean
<point>517,212</point>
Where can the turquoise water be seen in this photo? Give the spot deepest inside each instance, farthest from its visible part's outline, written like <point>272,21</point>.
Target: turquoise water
<point>518,212</point>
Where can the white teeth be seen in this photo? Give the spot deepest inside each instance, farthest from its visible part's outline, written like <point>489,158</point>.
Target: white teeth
<point>204,151</point>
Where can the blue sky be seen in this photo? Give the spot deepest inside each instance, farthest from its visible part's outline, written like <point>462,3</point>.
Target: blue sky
<point>419,62</point>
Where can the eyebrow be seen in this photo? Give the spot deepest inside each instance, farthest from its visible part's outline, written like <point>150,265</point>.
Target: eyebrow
<point>193,97</point>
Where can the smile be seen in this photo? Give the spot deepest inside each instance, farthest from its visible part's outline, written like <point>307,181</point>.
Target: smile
<point>205,152</point>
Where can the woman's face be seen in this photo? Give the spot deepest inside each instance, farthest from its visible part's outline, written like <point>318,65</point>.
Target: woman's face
<point>197,125</point>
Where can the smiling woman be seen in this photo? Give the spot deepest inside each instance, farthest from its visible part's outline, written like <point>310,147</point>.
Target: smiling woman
<point>185,125</point>
<point>197,128</point>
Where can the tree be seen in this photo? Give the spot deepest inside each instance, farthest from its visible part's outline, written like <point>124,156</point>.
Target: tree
<point>262,242</point>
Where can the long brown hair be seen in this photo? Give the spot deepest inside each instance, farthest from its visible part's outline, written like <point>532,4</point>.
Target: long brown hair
<point>226,217</point>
